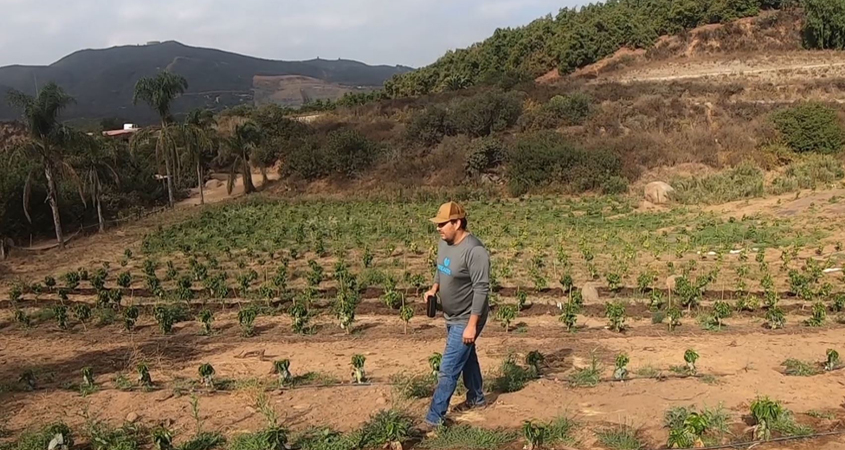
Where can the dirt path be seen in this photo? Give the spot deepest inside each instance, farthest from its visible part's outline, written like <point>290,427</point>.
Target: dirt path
<point>742,367</point>
<point>219,193</point>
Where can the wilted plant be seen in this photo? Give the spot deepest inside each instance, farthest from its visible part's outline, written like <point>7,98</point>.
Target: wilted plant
<point>206,372</point>
<point>206,317</point>
<point>534,359</point>
<point>282,369</point>
<point>27,379</point>
<point>144,378</point>
<point>434,362</point>
<point>358,374</point>
<point>674,314</point>
<point>535,434</point>
<point>300,318</point>
<point>833,362</point>
<point>690,357</point>
<point>162,438</point>
<point>621,371</point>
<point>87,377</point>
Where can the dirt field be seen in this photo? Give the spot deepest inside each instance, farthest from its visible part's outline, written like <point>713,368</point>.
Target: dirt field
<point>738,363</point>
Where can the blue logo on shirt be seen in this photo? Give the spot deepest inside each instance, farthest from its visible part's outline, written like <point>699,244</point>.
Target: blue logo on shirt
<point>444,268</point>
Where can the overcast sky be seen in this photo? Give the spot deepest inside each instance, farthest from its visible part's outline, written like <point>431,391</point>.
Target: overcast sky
<point>408,32</point>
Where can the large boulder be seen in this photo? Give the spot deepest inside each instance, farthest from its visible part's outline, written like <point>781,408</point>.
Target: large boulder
<point>590,292</point>
<point>658,192</point>
<point>213,184</point>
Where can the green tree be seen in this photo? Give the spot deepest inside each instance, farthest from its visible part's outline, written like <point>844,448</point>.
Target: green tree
<point>824,24</point>
<point>199,137</point>
<point>48,143</point>
<point>96,162</point>
<point>159,92</point>
<point>237,151</point>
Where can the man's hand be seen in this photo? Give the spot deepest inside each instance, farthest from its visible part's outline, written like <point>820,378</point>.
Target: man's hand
<point>469,334</point>
<point>430,293</point>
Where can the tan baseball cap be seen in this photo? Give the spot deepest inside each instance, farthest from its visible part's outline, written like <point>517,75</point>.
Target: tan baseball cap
<point>448,212</point>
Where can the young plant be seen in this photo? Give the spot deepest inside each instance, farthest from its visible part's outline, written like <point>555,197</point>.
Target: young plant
<point>164,318</point>
<point>205,318</point>
<point>162,438</point>
<point>521,300</point>
<point>50,282</point>
<point>406,313</point>
<point>568,317</point>
<point>130,316</point>
<point>506,314</point>
<point>621,371</point>
<point>282,369</point>
<point>22,318</point>
<point>721,311</point>
<point>674,314</point>
<point>124,280</point>
<point>534,360</point>
<point>535,434</point>
<point>206,372</point>
<point>246,319</point>
<point>765,413</point>
<point>300,317</point>
<point>614,281</point>
<point>315,276</point>
<point>819,315</point>
<point>833,362</point>
<point>27,379</point>
<point>144,378</point>
<point>71,280</point>
<point>690,357</point>
<point>434,362</point>
<point>60,313</point>
<point>775,318</point>
<point>615,313</point>
<point>358,374</point>
<point>83,314</point>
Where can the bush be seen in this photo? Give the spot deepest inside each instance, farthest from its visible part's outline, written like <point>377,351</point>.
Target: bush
<point>486,113</point>
<point>485,154</point>
<point>824,24</point>
<point>350,152</point>
<point>567,110</point>
<point>305,159</point>
<point>810,127</point>
<point>540,159</point>
<point>811,173</point>
<point>429,126</point>
<point>742,181</point>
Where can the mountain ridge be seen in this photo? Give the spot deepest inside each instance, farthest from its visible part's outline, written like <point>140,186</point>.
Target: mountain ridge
<point>102,80</point>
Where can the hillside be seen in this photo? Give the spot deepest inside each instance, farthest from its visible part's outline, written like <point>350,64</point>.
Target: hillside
<point>102,81</point>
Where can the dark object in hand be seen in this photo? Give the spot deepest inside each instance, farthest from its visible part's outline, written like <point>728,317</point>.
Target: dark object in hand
<point>431,306</point>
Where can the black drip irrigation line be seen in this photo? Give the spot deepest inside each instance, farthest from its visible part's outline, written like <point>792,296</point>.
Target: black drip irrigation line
<point>780,439</point>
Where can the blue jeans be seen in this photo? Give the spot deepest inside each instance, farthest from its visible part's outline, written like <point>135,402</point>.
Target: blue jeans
<point>457,358</point>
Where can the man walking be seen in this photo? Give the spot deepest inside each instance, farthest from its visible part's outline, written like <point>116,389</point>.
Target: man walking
<point>463,281</point>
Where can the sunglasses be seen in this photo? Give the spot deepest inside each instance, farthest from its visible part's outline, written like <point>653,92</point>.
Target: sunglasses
<point>441,225</point>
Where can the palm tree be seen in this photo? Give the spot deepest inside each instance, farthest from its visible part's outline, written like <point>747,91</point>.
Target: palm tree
<point>159,92</point>
<point>95,163</point>
<point>239,146</point>
<point>198,135</point>
<point>46,145</point>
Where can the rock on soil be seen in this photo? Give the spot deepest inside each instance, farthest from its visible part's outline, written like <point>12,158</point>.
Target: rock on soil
<point>590,292</point>
<point>658,192</point>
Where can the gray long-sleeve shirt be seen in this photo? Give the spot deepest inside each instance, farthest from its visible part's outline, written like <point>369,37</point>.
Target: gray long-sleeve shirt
<point>463,273</point>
